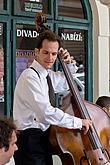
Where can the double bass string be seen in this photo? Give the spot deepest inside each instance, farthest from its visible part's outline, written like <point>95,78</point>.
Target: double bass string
<point>93,136</point>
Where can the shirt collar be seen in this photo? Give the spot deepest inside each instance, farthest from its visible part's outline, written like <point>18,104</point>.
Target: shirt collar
<point>42,71</point>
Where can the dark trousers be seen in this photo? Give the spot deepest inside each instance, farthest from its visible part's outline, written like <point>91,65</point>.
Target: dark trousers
<point>33,148</point>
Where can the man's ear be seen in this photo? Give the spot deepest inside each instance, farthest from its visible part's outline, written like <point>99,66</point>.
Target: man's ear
<point>2,150</point>
<point>36,50</point>
<point>105,109</point>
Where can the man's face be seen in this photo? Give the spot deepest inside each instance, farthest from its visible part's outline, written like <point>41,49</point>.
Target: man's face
<point>107,109</point>
<point>47,55</point>
<point>6,155</point>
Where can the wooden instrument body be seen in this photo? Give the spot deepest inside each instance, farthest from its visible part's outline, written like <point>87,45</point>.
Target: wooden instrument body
<point>72,145</point>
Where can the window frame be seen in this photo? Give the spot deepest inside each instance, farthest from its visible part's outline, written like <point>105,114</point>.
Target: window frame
<point>87,13</point>
<point>7,4</point>
<point>88,60</point>
<point>22,22</point>
<point>31,14</point>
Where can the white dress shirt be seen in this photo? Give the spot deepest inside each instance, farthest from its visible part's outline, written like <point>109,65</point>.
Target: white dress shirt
<point>11,162</point>
<point>32,108</point>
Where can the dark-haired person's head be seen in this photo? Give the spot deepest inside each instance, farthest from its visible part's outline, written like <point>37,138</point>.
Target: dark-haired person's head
<point>47,35</point>
<point>8,140</point>
<point>104,102</point>
<point>47,46</point>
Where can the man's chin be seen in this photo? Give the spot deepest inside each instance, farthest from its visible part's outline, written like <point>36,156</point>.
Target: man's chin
<point>48,67</point>
<point>8,161</point>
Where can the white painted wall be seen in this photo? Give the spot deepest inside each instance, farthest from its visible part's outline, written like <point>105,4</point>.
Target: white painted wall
<point>101,53</point>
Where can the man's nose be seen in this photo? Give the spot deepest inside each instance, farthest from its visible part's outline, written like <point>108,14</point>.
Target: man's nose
<point>16,147</point>
<point>49,55</point>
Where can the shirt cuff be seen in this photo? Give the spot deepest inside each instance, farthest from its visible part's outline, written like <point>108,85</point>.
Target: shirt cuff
<point>77,123</point>
<point>72,67</point>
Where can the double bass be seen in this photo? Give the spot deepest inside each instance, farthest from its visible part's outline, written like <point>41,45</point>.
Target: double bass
<point>72,146</point>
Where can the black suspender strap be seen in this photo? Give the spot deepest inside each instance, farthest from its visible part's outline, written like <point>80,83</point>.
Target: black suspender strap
<point>35,71</point>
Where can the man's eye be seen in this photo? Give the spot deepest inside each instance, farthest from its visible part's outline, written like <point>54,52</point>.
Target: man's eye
<point>54,54</point>
<point>45,52</point>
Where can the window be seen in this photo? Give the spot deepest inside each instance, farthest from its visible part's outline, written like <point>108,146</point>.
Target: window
<point>70,8</point>
<point>73,40</point>
<point>25,44</point>
<point>1,5</point>
<point>32,6</point>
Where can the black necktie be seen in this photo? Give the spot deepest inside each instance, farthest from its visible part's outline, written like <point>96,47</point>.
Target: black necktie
<point>51,91</point>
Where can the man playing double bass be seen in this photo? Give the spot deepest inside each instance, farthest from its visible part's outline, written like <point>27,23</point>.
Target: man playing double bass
<point>32,109</point>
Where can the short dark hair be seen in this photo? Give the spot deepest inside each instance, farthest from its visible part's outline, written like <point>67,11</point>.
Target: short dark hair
<point>50,36</point>
<point>103,101</point>
<point>7,127</point>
